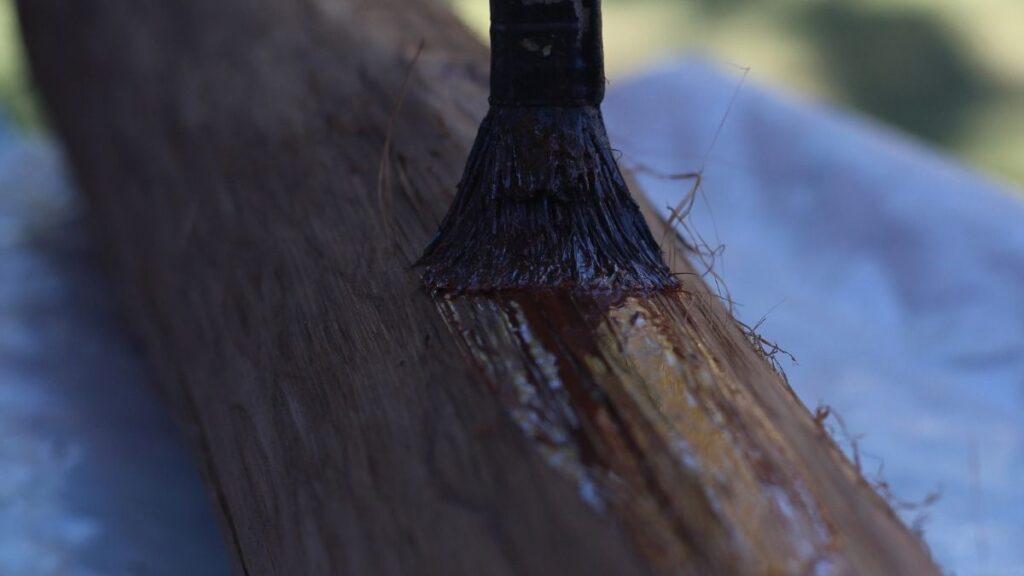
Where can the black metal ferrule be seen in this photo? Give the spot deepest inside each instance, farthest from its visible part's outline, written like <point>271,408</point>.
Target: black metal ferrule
<point>546,53</point>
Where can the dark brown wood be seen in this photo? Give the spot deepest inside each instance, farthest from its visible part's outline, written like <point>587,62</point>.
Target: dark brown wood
<point>346,421</point>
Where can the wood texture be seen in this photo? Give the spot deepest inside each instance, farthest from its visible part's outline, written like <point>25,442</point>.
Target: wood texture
<point>348,422</point>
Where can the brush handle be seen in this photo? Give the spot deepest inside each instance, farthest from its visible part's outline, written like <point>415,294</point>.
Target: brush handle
<point>546,53</point>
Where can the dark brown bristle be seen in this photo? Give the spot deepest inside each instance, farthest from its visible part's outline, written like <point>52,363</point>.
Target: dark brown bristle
<point>542,205</point>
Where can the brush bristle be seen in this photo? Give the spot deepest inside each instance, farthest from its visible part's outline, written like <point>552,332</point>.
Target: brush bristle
<point>542,204</point>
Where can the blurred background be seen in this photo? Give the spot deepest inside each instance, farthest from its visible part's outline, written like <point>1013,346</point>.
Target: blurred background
<point>843,218</point>
<point>948,71</point>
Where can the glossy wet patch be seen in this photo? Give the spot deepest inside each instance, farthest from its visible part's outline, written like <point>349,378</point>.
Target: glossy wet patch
<point>636,403</point>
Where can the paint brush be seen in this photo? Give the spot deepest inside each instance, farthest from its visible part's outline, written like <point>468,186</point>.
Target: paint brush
<point>542,203</point>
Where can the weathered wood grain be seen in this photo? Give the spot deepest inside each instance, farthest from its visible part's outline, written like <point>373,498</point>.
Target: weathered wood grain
<point>347,421</point>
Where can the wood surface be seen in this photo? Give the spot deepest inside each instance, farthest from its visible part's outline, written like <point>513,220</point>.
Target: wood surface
<point>347,421</point>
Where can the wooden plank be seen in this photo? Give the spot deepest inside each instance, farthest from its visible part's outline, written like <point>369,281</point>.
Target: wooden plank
<point>347,421</point>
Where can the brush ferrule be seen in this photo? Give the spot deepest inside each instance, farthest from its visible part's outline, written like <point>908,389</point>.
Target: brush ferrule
<point>546,53</point>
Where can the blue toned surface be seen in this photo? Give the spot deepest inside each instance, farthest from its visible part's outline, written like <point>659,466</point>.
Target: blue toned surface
<point>94,478</point>
<point>894,275</point>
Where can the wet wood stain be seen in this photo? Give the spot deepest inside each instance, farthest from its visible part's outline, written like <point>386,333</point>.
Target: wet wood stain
<point>667,419</point>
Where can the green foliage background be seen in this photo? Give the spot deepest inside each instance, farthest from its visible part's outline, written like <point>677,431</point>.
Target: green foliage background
<point>949,71</point>
<point>16,98</point>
